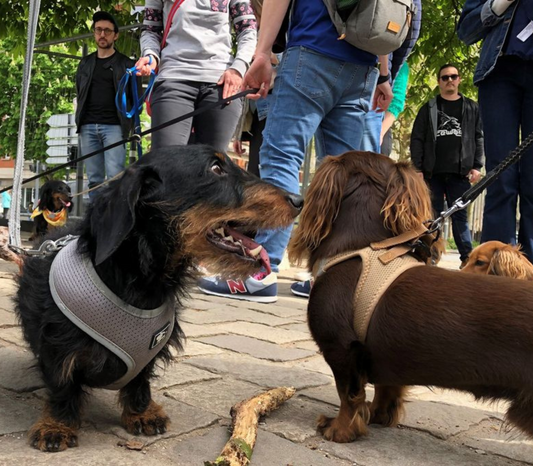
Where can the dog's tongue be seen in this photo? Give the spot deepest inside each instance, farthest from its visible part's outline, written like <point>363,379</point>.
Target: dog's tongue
<point>66,204</point>
<point>249,245</point>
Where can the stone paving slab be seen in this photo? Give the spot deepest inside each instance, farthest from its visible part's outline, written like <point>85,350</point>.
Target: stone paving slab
<point>215,396</point>
<point>177,373</point>
<point>264,332</point>
<point>256,348</point>
<point>7,319</point>
<point>264,375</point>
<point>406,447</point>
<point>19,412</point>
<point>17,371</point>
<point>491,436</point>
<point>104,413</point>
<point>270,450</point>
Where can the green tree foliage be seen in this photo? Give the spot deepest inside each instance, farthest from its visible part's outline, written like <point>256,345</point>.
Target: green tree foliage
<point>51,91</point>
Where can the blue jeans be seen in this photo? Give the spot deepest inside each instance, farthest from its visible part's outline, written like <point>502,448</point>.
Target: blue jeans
<point>453,187</point>
<point>372,132</point>
<point>506,105</point>
<point>312,93</point>
<point>110,162</point>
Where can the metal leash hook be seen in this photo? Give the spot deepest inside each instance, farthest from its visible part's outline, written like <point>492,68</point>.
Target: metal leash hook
<point>459,204</point>
<point>47,247</point>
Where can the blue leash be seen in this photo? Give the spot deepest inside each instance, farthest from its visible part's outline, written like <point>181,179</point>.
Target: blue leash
<point>137,107</point>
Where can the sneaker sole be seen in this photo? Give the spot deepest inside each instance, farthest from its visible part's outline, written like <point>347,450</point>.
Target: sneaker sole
<point>300,294</point>
<point>255,299</point>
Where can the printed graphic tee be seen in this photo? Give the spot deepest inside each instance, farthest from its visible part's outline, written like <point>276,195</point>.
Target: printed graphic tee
<point>449,133</point>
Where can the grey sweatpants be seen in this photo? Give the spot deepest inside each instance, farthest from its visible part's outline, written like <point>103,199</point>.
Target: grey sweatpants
<point>171,99</point>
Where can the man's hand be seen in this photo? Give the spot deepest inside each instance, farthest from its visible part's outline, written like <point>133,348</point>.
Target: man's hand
<point>473,176</point>
<point>231,80</point>
<point>382,97</point>
<point>143,68</point>
<point>237,147</point>
<point>258,76</point>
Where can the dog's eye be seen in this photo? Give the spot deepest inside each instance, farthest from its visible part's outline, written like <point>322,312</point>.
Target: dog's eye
<point>480,263</point>
<point>217,169</point>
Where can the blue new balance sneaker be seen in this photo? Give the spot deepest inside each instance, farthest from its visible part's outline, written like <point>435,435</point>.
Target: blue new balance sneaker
<point>260,287</point>
<point>302,289</point>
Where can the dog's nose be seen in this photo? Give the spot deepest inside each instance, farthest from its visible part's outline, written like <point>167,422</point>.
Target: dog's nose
<point>295,201</point>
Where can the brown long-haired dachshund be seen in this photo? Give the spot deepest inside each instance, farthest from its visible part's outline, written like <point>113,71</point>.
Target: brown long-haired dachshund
<point>432,326</point>
<point>497,258</point>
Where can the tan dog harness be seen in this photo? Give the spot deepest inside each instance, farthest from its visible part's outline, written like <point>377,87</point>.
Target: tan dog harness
<point>134,335</point>
<point>378,273</point>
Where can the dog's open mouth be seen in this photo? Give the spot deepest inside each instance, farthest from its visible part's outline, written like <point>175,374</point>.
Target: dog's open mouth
<point>66,203</point>
<point>229,239</point>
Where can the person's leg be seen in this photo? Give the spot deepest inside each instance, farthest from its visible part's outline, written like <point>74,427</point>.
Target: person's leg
<point>90,141</point>
<point>171,99</point>
<point>304,92</point>
<point>115,158</point>
<point>456,186</point>
<point>525,234</point>
<point>255,143</point>
<point>216,126</point>
<point>343,127</point>
<point>372,131</point>
<point>437,191</point>
<point>499,99</point>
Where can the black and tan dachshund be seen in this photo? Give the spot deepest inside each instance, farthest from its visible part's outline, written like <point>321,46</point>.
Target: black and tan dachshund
<point>143,235</point>
<point>53,207</point>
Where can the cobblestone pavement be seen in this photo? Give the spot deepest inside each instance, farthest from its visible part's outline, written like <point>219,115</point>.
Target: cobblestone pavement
<point>235,350</point>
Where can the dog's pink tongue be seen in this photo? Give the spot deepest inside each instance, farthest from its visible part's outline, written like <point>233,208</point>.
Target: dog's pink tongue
<point>249,245</point>
<point>66,204</point>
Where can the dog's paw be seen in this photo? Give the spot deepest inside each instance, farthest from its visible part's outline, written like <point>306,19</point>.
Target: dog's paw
<point>336,431</point>
<point>52,436</point>
<point>153,421</point>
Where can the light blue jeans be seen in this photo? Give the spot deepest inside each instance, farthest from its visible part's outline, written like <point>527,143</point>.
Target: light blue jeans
<point>312,92</point>
<point>372,132</point>
<point>111,162</point>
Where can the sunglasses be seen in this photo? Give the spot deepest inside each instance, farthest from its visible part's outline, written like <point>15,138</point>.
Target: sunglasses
<point>449,77</point>
<point>106,31</point>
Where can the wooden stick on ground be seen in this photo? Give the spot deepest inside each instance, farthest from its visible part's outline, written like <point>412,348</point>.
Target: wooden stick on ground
<point>245,419</point>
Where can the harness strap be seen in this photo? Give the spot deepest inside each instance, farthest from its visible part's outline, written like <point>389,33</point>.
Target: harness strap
<point>405,237</point>
<point>379,271</point>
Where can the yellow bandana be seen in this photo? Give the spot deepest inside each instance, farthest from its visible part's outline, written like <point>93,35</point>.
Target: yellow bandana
<point>56,219</point>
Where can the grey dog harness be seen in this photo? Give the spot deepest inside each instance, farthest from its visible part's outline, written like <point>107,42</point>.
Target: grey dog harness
<point>134,335</point>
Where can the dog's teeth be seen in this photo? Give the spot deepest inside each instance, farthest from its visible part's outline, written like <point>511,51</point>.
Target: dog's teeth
<point>229,238</point>
<point>220,231</point>
<point>255,252</point>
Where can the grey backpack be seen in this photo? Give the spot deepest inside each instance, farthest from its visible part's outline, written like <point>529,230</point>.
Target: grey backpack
<point>376,26</point>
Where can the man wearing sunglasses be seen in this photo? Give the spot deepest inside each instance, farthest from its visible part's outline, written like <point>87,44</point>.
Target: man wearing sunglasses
<point>447,150</point>
<point>98,120</point>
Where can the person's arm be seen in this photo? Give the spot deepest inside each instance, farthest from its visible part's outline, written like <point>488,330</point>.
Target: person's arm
<point>383,93</point>
<point>243,19</point>
<point>479,156</point>
<point>418,137</point>
<point>260,73</point>
<point>478,17</point>
<point>151,37</point>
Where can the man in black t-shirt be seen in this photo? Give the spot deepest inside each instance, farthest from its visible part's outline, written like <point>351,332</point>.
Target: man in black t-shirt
<point>447,149</point>
<point>99,122</point>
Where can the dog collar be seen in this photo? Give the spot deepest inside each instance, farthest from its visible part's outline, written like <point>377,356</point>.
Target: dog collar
<point>56,219</point>
<point>134,335</point>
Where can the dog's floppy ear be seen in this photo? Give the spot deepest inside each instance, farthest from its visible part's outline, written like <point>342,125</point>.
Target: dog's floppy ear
<point>510,262</point>
<point>321,207</point>
<point>113,216</point>
<point>408,203</point>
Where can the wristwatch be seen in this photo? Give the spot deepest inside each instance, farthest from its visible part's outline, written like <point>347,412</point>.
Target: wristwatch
<point>383,78</point>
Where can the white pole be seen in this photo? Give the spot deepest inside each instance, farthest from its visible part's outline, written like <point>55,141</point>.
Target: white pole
<point>14,214</point>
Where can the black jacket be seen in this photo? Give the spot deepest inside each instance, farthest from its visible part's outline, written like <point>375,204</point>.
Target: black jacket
<point>424,135</point>
<point>118,63</point>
